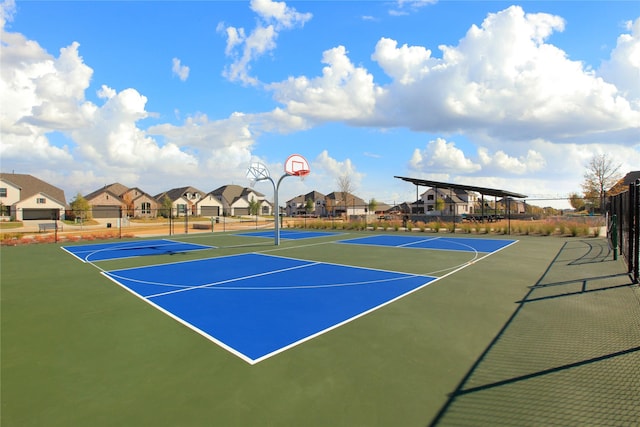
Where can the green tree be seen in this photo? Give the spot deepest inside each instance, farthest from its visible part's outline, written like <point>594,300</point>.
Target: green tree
<point>81,207</point>
<point>373,204</point>
<point>254,206</point>
<point>308,207</point>
<point>439,204</point>
<point>166,206</point>
<point>577,202</point>
<point>601,174</point>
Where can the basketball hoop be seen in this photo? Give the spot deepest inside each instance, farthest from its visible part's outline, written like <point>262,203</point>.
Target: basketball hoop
<point>296,165</point>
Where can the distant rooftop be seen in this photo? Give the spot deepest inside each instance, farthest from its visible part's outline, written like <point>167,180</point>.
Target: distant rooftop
<point>481,190</point>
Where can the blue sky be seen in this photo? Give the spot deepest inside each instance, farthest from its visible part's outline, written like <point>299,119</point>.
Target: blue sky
<point>160,94</point>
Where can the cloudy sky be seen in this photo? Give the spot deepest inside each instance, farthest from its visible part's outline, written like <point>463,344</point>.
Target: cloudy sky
<point>160,94</point>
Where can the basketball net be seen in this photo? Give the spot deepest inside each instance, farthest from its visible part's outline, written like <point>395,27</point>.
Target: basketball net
<point>257,172</point>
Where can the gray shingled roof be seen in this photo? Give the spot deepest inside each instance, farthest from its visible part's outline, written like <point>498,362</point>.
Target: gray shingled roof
<point>115,190</point>
<point>631,177</point>
<point>175,193</point>
<point>340,197</point>
<point>30,185</point>
<point>231,193</point>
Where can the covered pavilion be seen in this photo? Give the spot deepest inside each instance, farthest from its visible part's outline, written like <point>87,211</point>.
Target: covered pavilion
<point>483,191</point>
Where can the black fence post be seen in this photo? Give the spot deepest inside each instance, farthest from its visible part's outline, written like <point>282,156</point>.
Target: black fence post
<point>56,217</point>
<point>635,206</point>
<point>614,236</point>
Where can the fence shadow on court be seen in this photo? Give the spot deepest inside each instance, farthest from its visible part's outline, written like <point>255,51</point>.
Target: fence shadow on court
<point>569,354</point>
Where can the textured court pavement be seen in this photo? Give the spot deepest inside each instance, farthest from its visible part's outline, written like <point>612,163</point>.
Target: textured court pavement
<point>568,356</point>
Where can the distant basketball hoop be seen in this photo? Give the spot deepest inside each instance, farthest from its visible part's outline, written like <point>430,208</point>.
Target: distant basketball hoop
<point>296,165</point>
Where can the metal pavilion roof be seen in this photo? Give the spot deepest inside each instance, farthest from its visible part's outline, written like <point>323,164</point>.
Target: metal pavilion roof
<point>481,190</point>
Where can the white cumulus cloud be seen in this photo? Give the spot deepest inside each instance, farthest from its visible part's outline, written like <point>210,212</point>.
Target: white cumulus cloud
<point>623,68</point>
<point>324,167</point>
<point>243,48</point>
<point>500,162</point>
<point>441,156</point>
<point>343,92</point>
<point>182,71</point>
<point>44,95</point>
<point>501,79</point>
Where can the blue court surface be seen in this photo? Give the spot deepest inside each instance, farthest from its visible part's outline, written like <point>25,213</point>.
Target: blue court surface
<point>433,242</point>
<point>257,305</point>
<point>289,234</point>
<point>108,251</point>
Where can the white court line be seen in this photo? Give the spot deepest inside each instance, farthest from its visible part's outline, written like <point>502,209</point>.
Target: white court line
<point>338,264</point>
<point>417,242</point>
<point>236,279</point>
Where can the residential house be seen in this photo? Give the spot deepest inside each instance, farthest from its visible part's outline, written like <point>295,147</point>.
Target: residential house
<point>140,204</point>
<point>107,202</point>
<point>340,203</point>
<point>25,197</point>
<point>295,206</point>
<point>402,209</point>
<point>298,205</point>
<point>183,200</point>
<point>236,200</point>
<point>209,206</point>
<point>456,201</point>
<point>381,208</point>
<point>512,206</point>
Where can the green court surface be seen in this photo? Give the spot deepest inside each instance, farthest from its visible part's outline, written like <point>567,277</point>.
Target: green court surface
<point>543,332</point>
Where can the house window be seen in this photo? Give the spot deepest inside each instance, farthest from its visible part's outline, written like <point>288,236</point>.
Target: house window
<point>3,192</point>
<point>41,200</point>
<point>145,208</point>
<point>182,208</point>
<point>429,196</point>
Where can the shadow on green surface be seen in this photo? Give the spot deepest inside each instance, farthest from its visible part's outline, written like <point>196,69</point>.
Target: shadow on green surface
<point>568,355</point>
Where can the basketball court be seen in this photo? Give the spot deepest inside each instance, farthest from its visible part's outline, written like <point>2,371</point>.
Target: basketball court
<point>256,305</point>
<point>109,251</point>
<point>289,234</point>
